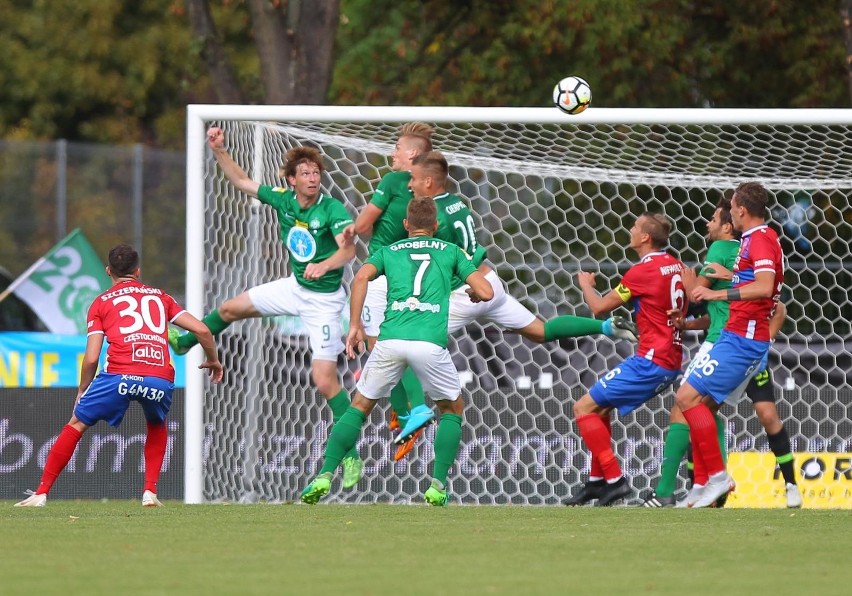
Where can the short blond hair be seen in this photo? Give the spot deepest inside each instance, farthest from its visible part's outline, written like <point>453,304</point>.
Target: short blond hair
<point>418,135</point>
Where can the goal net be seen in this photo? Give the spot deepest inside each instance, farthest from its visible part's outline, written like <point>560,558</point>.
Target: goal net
<point>552,195</point>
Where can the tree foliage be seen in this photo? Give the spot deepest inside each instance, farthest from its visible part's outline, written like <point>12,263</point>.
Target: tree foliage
<point>113,71</point>
<point>666,53</point>
<point>93,69</point>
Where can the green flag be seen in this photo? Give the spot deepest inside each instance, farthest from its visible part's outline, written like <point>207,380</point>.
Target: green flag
<point>62,284</point>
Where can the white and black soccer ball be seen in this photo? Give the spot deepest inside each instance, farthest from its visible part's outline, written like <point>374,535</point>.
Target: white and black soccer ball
<point>572,95</point>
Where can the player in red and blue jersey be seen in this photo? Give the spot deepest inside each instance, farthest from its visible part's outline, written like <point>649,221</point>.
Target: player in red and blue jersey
<point>653,287</point>
<point>134,318</point>
<point>744,342</point>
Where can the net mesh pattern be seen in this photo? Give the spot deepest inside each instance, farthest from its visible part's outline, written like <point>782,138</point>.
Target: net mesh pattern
<point>549,200</point>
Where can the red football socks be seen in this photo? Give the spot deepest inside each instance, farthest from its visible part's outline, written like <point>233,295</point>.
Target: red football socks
<point>598,437</point>
<point>155,452</point>
<point>597,470</point>
<point>58,457</point>
<point>705,440</point>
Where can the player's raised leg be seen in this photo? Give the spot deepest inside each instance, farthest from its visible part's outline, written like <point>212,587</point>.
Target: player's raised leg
<point>567,326</point>
<point>235,309</point>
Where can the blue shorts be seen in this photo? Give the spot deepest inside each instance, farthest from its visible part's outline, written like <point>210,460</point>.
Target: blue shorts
<point>631,384</point>
<point>109,396</point>
<point>731,362</point>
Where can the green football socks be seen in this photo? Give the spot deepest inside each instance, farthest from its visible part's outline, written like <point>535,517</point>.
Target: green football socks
<point>214,323</point>
<point>342,439</point>
<point>571,326</point>
<point>339,404</point>
<point>723,440</point>
<point>677,441</point>
<point>447,441</point>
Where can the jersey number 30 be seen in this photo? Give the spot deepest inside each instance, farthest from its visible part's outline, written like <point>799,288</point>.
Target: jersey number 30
<point>140,313</point>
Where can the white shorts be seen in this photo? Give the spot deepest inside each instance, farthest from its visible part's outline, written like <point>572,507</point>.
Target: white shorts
<point>502,310</point>
<point>373,313</point>
<point>705,348</point>
<point>431,364</point>
<point>321,313</point>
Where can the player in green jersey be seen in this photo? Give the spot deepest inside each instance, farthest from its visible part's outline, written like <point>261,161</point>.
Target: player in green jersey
<point>419,270</point>
<point>429,175</point>
<point>716,275</point>
<point>311,227</point>
<point>381,220</point>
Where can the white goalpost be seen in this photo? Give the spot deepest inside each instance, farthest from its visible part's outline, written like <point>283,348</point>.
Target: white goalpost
<point>552,194</point>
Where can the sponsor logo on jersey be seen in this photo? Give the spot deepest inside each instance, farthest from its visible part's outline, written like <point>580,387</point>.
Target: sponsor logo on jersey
<point>413,304</point>
<point>147,353</point>
<point>301,244</point>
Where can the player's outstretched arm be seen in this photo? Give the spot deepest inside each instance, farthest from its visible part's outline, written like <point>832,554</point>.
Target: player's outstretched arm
<point>761,288</point>
<point>205,339</point>
<point>233,172</point>
<point>598,304</point>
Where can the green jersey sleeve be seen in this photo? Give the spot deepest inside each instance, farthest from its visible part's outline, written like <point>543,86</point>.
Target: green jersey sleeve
<point>377,260</point>
<point>274,196</point>
<point>464,265</point>
<point>392,197</point>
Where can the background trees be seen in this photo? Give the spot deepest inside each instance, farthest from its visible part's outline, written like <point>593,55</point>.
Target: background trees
<point>107,70</point>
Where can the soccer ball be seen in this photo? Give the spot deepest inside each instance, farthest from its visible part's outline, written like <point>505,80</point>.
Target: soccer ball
<point>572,95</point>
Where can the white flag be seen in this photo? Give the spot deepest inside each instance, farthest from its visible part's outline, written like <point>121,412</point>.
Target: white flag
<point>62,284</point>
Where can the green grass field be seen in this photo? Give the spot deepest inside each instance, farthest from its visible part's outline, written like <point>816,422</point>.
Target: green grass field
<point>118,547</point>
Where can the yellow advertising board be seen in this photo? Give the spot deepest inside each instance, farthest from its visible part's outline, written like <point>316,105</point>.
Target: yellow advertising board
<point>825,480</point>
